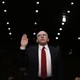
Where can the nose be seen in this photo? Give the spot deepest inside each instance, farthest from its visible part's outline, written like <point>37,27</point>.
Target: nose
<point>42,36</point>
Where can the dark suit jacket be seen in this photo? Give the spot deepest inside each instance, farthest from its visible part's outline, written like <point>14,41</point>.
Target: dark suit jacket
<point>31,63</point>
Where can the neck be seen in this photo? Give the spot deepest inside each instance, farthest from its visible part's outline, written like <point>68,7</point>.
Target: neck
<point>43,44</point>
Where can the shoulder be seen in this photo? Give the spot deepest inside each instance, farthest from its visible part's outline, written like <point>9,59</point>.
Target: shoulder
<point>30,47</point>
<point>53,47</point>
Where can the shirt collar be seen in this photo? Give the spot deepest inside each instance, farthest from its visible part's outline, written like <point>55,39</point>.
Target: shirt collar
<point>40,47</point>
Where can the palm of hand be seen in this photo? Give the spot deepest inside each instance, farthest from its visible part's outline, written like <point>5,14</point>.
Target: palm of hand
<point>24,40</point>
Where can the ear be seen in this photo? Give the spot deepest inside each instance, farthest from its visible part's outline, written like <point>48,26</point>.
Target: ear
<point>36,40</point>
<point>48,39</point>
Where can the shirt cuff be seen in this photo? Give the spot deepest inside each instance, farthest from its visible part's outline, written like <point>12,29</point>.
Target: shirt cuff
<point>22,48</point>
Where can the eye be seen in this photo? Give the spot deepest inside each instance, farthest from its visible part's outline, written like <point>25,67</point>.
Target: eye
<point>39,35</point>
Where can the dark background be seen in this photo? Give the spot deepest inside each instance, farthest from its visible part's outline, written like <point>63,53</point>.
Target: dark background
<point>21,16</point>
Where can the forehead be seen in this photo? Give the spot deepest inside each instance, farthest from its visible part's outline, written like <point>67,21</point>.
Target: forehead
<point>42,32</point>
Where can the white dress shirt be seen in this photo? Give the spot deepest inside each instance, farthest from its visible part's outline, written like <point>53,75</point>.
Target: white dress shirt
<point>48,60</point>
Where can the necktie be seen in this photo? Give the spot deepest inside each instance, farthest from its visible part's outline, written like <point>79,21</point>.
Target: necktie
<point>43,64</point>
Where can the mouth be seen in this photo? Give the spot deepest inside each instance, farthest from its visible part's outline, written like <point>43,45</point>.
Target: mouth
<point>42,39</point>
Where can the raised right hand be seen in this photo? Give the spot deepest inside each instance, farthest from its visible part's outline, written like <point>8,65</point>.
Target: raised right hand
<point>24,40</point>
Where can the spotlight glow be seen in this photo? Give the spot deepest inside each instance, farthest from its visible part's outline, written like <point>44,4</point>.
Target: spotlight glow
<point>7,23</point>
<point>78,38</point>
<point>58,33</point>
<point>3,2</point>
<point>5,10</point>
<point>37,2</point>
<point>36,11</point>
<point>63,18</point>
<point>62,23</point>
<point>9,28</point>
<point>10,33</point>
<point>35,23</point>
<point>72,3</point>
<point>68,11</point>
<point>56,38</point>
<point>34,33</point>
<point>60,29</point>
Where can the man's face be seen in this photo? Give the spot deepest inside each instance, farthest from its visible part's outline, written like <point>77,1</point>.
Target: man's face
<point>42,37</point>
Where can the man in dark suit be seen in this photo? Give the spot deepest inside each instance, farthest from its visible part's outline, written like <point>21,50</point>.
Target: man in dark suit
<point>33,59</point>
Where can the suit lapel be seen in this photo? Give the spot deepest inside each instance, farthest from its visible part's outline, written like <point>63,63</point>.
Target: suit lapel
<point>36,58</point>
<point>52,57</point>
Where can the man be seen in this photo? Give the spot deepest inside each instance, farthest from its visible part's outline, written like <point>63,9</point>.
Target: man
<point>33,59</point>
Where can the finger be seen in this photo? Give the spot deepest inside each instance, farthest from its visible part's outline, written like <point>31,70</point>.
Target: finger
<point>24,35</point>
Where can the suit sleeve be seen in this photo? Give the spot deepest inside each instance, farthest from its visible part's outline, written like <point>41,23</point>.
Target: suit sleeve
<point>21,58</point>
